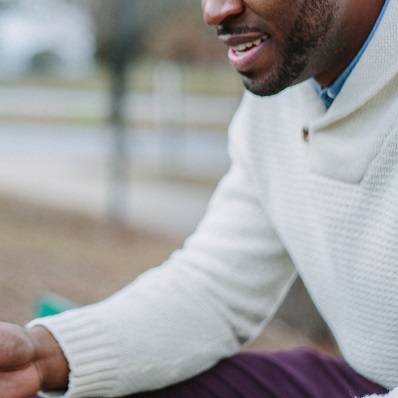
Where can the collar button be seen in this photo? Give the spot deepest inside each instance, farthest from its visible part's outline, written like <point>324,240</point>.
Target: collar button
<point>306,132</point>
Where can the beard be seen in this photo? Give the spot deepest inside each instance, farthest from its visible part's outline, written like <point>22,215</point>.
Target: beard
<point>306,37</point>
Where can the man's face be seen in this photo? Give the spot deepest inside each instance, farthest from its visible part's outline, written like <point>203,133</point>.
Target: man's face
<point>276,43</point>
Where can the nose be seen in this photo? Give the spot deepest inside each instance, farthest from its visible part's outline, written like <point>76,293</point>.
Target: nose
<point>217,11</point>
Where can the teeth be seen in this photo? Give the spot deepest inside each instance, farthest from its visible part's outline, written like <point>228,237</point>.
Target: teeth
<point>245,46</point>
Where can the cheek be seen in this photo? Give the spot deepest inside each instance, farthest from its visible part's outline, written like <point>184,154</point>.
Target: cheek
<point>279,15</point>
<point>272,9</point>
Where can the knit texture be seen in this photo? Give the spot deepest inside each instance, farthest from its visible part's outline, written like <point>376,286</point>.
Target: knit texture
<point>326,208</point>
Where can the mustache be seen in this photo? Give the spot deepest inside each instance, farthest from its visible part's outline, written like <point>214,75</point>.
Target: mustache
<point>225,30</point>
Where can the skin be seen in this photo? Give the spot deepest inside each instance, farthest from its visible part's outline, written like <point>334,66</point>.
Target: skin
<point>305,38</point>
<point>30,360</point>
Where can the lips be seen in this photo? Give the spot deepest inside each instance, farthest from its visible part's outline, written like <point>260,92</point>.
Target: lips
<point>248,52</point>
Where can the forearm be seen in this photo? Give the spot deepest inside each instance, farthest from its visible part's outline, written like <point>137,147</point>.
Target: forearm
<point>179,319</point>
<point>50,361</point>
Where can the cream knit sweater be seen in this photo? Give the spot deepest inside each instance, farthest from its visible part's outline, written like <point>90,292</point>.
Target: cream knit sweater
<point>326,208</point>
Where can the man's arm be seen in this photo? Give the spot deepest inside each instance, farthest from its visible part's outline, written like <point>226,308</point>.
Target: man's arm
<point>198,307</point>
<point>30,360</point>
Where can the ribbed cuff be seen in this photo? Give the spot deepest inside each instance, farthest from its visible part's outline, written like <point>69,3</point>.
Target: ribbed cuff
<point>91,356</point>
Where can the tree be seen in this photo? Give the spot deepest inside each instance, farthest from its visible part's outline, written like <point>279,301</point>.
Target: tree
<point>124,35</point>
<point>160,29</point>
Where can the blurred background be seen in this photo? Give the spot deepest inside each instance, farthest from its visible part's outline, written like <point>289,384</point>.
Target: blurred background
<point>113,136</point>
<point>102,101</point>
<point>113,120</point>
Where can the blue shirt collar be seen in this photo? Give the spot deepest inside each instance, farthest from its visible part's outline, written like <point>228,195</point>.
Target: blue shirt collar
<point>328,94</point>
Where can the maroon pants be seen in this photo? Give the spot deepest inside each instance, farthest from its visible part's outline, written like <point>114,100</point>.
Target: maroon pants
<point>299,373</point>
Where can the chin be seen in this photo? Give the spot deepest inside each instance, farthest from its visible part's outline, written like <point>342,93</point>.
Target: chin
<point>261,89</point>
<point>265,86</point>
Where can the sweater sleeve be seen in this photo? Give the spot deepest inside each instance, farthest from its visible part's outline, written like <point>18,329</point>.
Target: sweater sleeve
<point>178,319</point>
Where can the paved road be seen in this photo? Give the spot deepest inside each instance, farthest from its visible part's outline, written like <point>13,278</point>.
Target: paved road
<point>66,165</point>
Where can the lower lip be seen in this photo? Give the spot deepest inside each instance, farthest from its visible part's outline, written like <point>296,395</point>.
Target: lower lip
<point>247,60</point>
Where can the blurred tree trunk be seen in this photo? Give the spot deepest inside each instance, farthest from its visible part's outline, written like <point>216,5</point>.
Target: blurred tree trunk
<point>151,13</point>
<point>122,55</point>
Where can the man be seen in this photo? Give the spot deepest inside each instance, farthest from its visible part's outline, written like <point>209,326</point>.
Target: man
<point>312,190</point>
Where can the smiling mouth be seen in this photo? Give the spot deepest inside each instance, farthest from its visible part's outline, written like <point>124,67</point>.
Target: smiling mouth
<point>240,49</point>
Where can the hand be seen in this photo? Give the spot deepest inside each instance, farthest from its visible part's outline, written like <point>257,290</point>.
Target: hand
<point>19,375</point>
<point>30,360</point>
